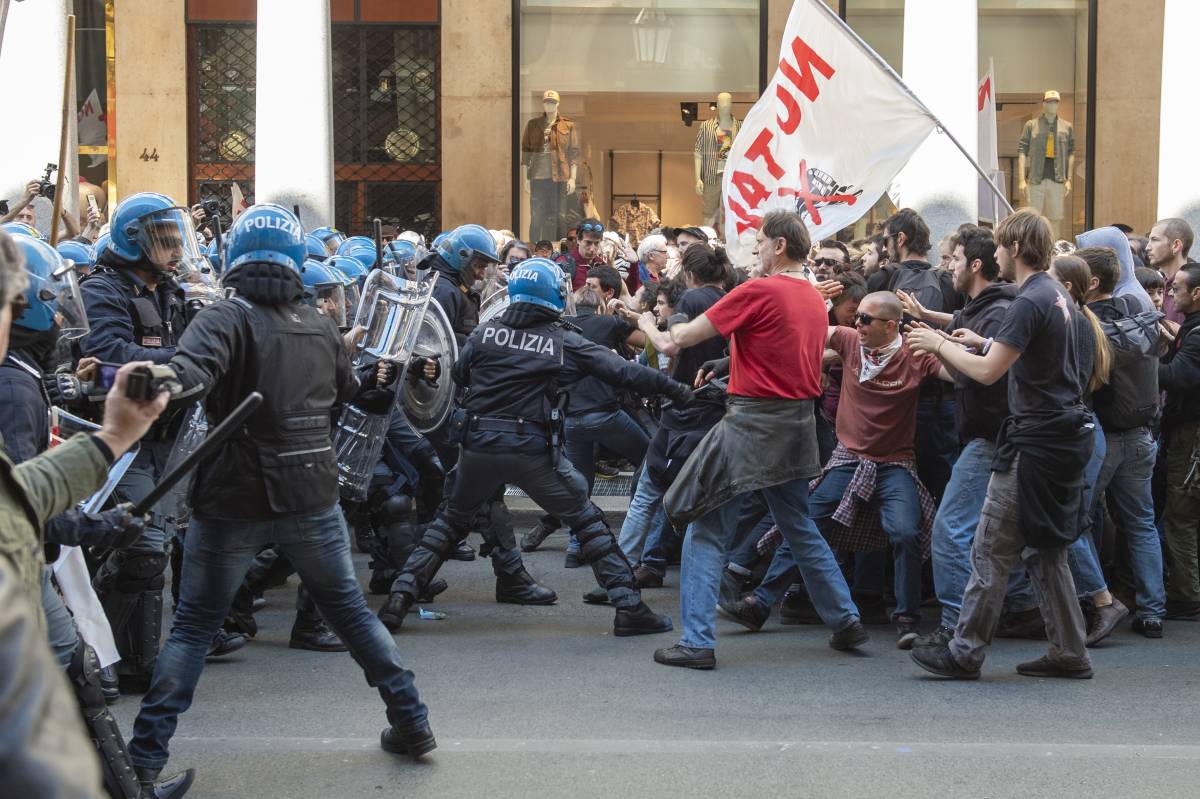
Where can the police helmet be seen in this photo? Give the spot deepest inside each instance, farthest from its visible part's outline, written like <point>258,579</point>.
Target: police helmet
<point>265,233</point>
<point>52,296</point>
<point>80,254</point>
<point>330,237</point>
<point>360,248</point>
<point>324,289</point>
<point>21,229</point>
<point>538,281</point>
<point>464,244</point>
<point>400,255</point>
<point>150,227</point>
<point>315,248</point>
<point>100,245</point>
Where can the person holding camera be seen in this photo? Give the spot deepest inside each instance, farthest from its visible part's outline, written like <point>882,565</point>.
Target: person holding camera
<point>137,311</point>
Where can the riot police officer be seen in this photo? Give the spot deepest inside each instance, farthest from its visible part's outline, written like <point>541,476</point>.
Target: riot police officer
<point>510,369</point>
<point>274,482</point>
<point>460,259</point>
<point>136,304</point>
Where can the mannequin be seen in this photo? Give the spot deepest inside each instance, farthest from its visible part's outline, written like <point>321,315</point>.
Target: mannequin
<point>635,219</point>
<point>550,154</point>
<point>713,141</point>
<point>1046,161</point>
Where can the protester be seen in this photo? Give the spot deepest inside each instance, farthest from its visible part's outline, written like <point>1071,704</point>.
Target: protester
<point>1168,246</point>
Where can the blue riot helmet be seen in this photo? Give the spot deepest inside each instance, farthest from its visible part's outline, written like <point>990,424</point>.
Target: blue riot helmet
<point>402,256</point>
<point>52,297</point>
<point>20,229</point>
<point>213,254</point>
<point>265,233</point>
<point>100,245</point>
<point>324,289</point>
<point>360,248</point>
<point>540,282</point>
<point>331,238</point>
<point>438,239</point>
<point>315,247</point>
<point>150,229</point>
<point>349,266</point>
<point>468,250</point>
<point>81,255</point>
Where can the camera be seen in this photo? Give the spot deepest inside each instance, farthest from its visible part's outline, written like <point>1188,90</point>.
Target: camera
<point>147,382</point>
<point>46,185</point>
<point>212,207</point>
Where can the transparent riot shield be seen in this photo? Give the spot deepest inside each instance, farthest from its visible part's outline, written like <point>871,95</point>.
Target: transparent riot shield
<point>391,312</point>
<point>174,506</point>
<point>428,404</point>
<point>493,305</point>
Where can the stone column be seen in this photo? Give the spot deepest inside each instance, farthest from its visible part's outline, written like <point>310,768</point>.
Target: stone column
<point>1179,116</point>
<point>33,56</point>
<point>293,137</point>
<point>941,45</point>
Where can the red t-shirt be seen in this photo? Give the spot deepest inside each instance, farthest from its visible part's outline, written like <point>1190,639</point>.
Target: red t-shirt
<point>776,328</point>
<point>877,420</point>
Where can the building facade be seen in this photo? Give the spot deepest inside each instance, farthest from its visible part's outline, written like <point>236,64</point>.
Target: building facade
<point>432,99</point>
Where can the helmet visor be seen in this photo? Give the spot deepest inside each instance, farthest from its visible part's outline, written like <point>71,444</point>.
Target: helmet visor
<point>329,299</point>
<point>332,241</point>
<point>168,240</point>
<point>61,292</point>
<point>353,294</point>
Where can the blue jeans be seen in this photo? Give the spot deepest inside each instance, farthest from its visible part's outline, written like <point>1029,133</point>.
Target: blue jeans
<point>1081,554</point>
<point>900,516</point>
<point>644,520</point>
<point>704,552</point>
<point>955,524</point>
<point>1126,476</point>
<point>217,553</point>
<point>936,443</point>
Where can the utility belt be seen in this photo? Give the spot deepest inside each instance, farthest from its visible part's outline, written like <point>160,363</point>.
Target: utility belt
<point>495,424</point>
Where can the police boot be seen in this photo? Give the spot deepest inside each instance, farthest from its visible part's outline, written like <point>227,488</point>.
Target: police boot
<point>170,788</point>
<point>310,631</point>
<point>520,588</point>
<point>598,547</point>
<point>130,589</point>
<point>413,743</point>
<point>436,545</point>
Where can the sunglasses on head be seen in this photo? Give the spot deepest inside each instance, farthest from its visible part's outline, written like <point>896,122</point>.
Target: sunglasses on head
<point>591,227</point>
<point>865,319</point>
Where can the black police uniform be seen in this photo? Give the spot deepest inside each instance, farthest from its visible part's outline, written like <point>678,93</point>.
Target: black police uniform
<point>494,522</point>
<point>131,322</point>
<point>510,369</point>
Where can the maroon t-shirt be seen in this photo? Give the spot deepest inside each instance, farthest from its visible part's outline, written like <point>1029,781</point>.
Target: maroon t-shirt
<point>877,420</point>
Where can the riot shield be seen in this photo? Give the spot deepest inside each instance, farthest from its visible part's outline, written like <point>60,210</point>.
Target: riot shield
<point>493,305</point>
<point>428,405</point>
<point>174,506</point>
<point>391,313</point>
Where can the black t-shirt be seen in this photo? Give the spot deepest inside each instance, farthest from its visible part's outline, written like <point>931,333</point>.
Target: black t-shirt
<point>1043,324</point>
<point>698,415</point>
<point>610,332</point>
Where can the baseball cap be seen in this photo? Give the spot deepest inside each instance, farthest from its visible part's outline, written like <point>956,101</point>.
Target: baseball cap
<point>1052,95</point>
<point>550,95</point>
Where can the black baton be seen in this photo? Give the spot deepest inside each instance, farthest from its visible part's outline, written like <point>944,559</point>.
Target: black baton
<point>377,230</point>
<point>206,448</point>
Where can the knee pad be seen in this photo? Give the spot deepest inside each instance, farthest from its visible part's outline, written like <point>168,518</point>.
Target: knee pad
<point>84,673</point>
<point>141,572</point>
<point>441,538</point>
<point>396,508</point>
<point>595,542</point>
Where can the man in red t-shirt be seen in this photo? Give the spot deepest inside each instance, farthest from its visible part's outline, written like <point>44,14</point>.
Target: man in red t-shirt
<point>777,327</point>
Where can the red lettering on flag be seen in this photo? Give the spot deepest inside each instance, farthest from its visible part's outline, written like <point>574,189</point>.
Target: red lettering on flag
<point>792,122</point>
<point>753,192</point>
<point>761,148</point>
<point>745,219</point>
<point>801,75</point>
<point>985,91</point>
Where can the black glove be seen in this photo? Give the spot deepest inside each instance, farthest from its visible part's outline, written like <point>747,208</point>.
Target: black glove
<point>680,394</point>
<point>718,366</point>
<point>376,401</point>
<point>63,388</point>
<point>416,368</point>
<point>116,527</point>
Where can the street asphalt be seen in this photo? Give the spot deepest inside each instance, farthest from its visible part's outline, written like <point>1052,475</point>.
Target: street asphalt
<point>545,702</point>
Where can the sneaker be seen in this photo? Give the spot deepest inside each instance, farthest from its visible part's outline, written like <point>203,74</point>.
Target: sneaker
<point>686,657</point>
<point>852,636</point>
<point>172,787</point>
<point>1022,624</point>
<point>647,577</point>
<point>1183,609</point>
<point>315,637</point>
<point>938,660</point>
<point>748,612</point>
<point>640,620</point>
<point>942,636</point>
<point>413,743</point>
<point>224,643</point>
<point>906,632</point>
<point>534,537</point>
<point>1105,620</point>
<point>1045,667</point>
<point>572,560</point>
<point>607,471</point>
<point>1150,628</point>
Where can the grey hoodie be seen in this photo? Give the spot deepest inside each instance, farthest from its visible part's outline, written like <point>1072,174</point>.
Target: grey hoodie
<point>1127,285</point>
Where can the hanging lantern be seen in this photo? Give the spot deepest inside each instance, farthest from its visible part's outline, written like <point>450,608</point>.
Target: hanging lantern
<point>651,35</point>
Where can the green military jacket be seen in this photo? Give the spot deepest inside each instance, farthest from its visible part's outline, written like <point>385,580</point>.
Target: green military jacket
<point>38,489</point>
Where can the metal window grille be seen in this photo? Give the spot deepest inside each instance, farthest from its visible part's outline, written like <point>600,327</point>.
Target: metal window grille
<point>385,86</point>
<point>386,127</point>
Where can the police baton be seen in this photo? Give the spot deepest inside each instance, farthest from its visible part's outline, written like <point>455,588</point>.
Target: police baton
<point>377,229</point>
<point>214,439</point>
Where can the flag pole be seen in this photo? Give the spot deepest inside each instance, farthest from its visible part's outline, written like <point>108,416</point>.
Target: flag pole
<point>65,135</point>
<point>887,68</point>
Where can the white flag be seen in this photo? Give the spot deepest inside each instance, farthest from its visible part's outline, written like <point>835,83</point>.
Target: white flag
<point>93,131</point>
<point>237,202</point>
<point>989,157</point>
<point>806,145</point>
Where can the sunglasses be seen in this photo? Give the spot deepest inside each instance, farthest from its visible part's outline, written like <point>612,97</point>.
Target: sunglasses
<point>830,262</point>
<point>515,259</point>
<point>865,319</point>
<point>591,227</point>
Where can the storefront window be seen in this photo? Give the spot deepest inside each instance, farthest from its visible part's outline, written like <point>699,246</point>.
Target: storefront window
<point>92,65</point>
<point>635,81</point>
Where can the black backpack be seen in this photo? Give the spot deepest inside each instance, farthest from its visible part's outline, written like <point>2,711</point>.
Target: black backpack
<point>932,288</point>
<point>1131,397</point>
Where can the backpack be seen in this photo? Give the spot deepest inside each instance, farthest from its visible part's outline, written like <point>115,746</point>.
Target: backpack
<point>929,286</point>
<point>1131,397</point>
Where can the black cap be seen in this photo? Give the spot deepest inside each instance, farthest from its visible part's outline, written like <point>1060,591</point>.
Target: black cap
<point>691,230</point>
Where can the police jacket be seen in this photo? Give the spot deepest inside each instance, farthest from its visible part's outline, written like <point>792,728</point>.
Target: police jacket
<point>460,304</point>
<point>980,410</point>
<point>282,462</point>
<point>128,321</point>
<point>591,394</point>
<point>512,367</point>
